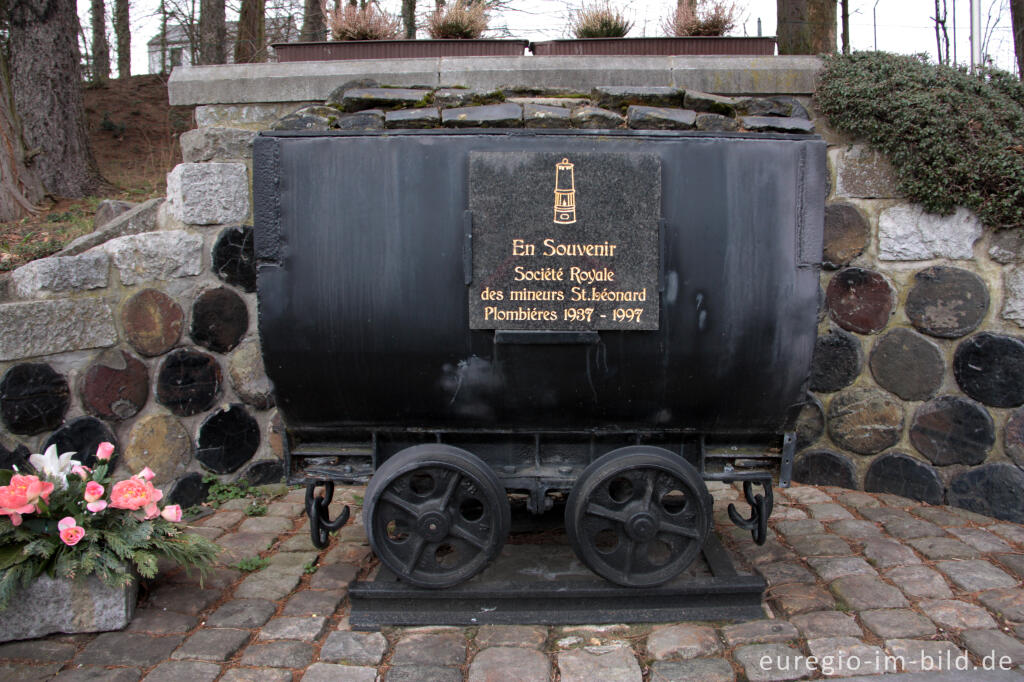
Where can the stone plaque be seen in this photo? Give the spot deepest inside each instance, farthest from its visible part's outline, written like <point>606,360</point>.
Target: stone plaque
<point>565,241</point>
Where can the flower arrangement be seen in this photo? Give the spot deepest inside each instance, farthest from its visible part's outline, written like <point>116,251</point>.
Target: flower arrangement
<point>69,520</point>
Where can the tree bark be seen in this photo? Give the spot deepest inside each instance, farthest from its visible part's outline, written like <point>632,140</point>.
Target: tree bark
<point>1017,21</point>
<point>806,26</point>
<point>47,84</point>
<point>409,18</point>
<point>845,4</point>
<point>163,36</point>
<point>100,46</point>
<point>212,32</point>
<point>20,189</point>
<point>251,26</point>
<point>314,25</point>
<point>123,31</point>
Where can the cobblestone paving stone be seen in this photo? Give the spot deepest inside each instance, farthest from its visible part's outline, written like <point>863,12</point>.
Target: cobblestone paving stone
<point>890,582</point>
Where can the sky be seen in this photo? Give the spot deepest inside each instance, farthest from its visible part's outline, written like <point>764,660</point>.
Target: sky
<point>903,26</point>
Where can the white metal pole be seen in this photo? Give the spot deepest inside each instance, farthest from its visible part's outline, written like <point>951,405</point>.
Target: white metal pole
<point>975,34</point>
<point>874,23</point>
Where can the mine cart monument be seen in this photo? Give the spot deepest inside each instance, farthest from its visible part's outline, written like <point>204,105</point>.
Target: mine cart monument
<point>586,323</point>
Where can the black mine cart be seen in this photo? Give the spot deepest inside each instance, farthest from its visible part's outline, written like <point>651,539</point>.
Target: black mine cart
<point>469,320</point>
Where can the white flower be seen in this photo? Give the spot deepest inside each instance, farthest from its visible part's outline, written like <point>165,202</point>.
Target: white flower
<point>53,467</point>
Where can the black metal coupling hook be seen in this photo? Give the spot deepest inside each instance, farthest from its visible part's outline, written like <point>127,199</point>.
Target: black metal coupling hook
<point>760,510</point>
<point>320,523</point>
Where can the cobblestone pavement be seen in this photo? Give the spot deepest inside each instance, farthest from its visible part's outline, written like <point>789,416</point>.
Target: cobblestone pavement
<point>864,583</point>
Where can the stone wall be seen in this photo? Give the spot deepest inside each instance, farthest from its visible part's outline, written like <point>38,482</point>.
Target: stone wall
<point>144,332</point>
<point>918,376</point>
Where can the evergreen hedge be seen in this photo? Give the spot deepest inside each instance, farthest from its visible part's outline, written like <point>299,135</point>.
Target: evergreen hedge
<point>954,139</point>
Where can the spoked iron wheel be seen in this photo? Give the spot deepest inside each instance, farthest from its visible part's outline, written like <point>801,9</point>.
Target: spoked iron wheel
<point>436,515</point>
<point>638,516</point>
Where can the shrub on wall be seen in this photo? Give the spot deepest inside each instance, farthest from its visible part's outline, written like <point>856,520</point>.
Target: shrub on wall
<point>460,20</point>
<point>953,138</point>
<point>599,20</point>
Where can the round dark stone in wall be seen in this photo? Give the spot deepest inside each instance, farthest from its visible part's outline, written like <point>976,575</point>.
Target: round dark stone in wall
<point>995,489</point>
<point>115,386</point>
<point>265,472</point>
<point>837,361</point>
<point>82,435</point>
<point>152,322</point>
<point>188,382</point>
<point>219,319</point>
<point>907,364</point>
<point>234,259</point>
<point>947,302</point>
<point>1013,437</point>
<point>900,474</point>
<point>189,490</point>
<point>860,300</point>
<point>865,420</point>
<point>990,368</point>
<point>824,467</point>
<point>952,430</point>
<point>228,439</point>
<point>33,398</point>
<point>846,234</point>
<point>810,424</point>
<point>18,457</point>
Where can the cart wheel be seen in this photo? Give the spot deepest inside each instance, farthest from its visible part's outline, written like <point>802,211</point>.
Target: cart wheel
<point>638,516</point>
<point>435,515</point>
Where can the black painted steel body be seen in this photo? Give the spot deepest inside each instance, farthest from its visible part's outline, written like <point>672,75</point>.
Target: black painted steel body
<point>361,246</point>
<point>364,244</point>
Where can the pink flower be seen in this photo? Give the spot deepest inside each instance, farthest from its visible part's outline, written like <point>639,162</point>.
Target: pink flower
<point>97,506</point>
<point>93,491</point>
<point>134,493</point>
<point>72,534</point>
<point>146,473</point>
<point>81,471</point>
<point>104,451</point>
<point>31,487</point>
<point>172,513</point>
<point>12,504</point>
<point>22,496</point>
<point>66,522</point>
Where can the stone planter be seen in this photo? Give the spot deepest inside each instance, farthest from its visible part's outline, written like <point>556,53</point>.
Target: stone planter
<point>397,49</point>
<point>697,45</point>
<point>52,605</point>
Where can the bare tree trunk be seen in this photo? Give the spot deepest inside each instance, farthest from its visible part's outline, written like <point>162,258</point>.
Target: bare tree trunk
<point>941,34</point>
<point>1017,21</point>
<point>163,37</point>
<point>100,46</point>
<point>123,31</point>
<point>806,26</point>
<point>20,189</point>
<point>409,18</point>
<point>47,83</point>
<point>251,24</point>
<point>314,25</point>
<point>212,32</point>
<point>845,5</point>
